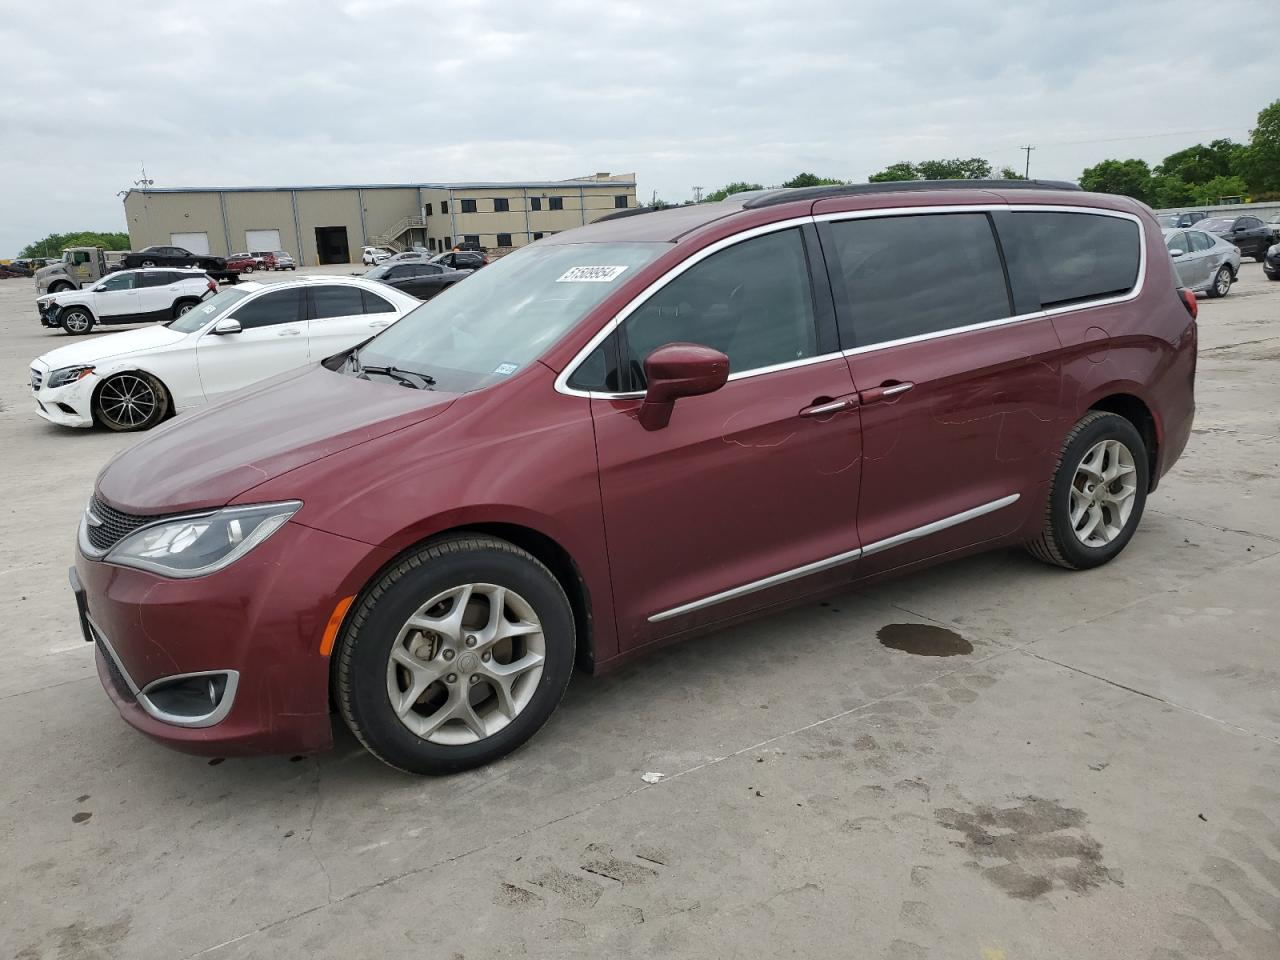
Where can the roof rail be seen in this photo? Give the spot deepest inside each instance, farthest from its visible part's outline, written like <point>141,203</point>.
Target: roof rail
<point>771,198</point>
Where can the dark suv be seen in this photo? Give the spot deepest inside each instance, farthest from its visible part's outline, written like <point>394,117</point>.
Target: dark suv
<point>628,434</point>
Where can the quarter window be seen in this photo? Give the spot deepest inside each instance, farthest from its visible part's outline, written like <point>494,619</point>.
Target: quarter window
<point>336,301</point>
<point>914,275</point>
<point>1080,256</point>
<point>751,301</point>
<point>278,306</point>
<point>375,304</point>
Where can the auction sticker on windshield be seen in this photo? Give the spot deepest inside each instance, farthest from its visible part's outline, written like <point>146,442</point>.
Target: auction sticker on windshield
<point>590,275</point>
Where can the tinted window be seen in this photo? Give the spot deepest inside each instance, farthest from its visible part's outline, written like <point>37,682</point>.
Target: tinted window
<point>908,276</point>
<point>1081,256</point>
<point>375,304</point>
<point>599,371</point>
<point>279,306</point>
<point>159,278</point>
<point>1250,222</point>
<point>1199,241</point>
<point>336,301</point>
<point>751,302</point>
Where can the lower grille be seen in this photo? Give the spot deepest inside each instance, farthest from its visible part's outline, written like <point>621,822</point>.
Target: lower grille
<point>113,525</point>
<point>117,678</point>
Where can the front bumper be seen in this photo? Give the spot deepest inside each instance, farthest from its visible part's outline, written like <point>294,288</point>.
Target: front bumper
<point>1271,266</point>
<point>261,619</point>
<point>48,314</point>
<point>69,406</point>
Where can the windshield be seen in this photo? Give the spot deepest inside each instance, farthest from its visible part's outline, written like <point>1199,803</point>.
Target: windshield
<point>210,309</point>
<point>1215,223</point>
<point>502,317</point>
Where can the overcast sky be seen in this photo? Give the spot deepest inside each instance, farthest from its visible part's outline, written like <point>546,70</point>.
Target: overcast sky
<point>701,92</point>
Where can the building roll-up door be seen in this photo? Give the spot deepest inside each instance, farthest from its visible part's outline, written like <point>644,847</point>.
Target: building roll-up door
<point>259,240</point>
<point>195,242</point>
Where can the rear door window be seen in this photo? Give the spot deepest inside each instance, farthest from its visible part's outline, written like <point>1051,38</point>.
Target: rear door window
<point>910,276</point>
<point>336,301</point>
<point>278,306</point>
<point>1079,257</point>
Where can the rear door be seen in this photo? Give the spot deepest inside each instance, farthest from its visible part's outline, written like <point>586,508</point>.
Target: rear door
<point>1208,255</point>
<point>272,340</point>
<point>339,318</point>
<point>959,395</point>
<point>746,497</point>
<point>116,298</point>
<point>159,290</point>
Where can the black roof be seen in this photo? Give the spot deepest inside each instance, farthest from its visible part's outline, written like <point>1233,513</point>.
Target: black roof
<point>769,198</point>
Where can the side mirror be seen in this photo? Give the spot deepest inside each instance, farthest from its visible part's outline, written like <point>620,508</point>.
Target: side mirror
<point>223,327</point>
<point>1176,251</point>
<point>679,370</point>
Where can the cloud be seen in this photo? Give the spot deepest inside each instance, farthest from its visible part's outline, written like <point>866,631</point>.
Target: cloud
<point>697,93</point>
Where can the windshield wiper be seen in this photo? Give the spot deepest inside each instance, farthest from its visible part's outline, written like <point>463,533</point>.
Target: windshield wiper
<point>398,375</point>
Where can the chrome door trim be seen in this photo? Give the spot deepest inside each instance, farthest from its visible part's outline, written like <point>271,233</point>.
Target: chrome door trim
<point>818,566</point>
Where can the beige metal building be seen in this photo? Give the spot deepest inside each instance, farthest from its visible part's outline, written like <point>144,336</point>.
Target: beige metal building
<point>330,224</point>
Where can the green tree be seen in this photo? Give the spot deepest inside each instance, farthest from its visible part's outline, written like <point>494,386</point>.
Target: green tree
<point>903,170</point>
<point>1129,178</point>
<point>1201,163</point>
<point>975,168</point>
<point>1008,173</point>
<point>811,180</point>
<point>1260,163</point>
<point>738,186</point>
<point>55,243</point>
<point>1171,191</point>
<point>1220,187</point>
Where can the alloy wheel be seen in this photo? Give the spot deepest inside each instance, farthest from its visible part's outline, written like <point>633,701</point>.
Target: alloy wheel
<point>1103,493</point>
<point>1222,283</point>
<point>77,321</point>
<point>127,400</point>
<point>466,663</point>
<point>186,308</point>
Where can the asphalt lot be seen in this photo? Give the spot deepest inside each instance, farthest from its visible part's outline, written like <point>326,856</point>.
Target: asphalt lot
<point>1099,777</point>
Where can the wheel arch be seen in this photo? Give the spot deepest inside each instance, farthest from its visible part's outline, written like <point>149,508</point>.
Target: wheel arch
<point>1136,410</point>
<point>168,393</point>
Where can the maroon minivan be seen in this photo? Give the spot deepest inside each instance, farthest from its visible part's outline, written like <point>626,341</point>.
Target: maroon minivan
<point>627,434</point>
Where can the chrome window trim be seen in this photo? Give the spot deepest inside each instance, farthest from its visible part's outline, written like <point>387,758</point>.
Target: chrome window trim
<point>786,576</point>
<point>562,381</point>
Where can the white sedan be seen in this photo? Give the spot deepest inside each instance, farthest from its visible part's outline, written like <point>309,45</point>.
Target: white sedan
<point>246,333</point>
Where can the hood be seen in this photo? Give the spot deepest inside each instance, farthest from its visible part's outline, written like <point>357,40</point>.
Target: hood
<point>115,345</point>
<point>210,457</point>
<point>50,270</point>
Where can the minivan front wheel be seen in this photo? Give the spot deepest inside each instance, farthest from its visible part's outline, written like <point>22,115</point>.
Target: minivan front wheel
<point>456,656</point>
<point>1098,494</point>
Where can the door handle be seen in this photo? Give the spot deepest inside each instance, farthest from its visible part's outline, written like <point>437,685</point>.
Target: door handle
<point>379,324</point>
<point>830,407</point>
<point>885,391</point>
<point>288,333</point>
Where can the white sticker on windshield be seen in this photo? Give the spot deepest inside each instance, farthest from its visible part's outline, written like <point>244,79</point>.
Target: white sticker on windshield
<point>506,369</point>
<point>590,275</point>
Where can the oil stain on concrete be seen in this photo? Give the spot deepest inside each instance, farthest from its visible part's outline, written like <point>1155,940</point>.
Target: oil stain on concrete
<point>1029,849</point>
<point>923,639</point>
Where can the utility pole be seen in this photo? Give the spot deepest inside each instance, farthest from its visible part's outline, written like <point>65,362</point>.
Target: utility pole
<point>697,194</point>
<point>1027,170</point>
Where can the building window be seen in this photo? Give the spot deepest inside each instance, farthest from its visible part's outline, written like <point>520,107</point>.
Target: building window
<point>444,206</point>
<point>468,206</point>
<point>504,239</point>
<point>448,242</point>
<point>537,236</point>
<point>500,205</point>
<point>471,237</point>
<point>557,203</point>
<point>535,203</point>
<point>426,210</point>
<point>620,202</point>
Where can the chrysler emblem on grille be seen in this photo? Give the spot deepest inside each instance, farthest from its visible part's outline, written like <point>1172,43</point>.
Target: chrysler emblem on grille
<point>92,518</point>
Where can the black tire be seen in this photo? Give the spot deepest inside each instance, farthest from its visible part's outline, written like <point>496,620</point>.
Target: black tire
<point>152,405</point>
<point>362,656</point>
<point>184,306</point>
<point>1058,543</point>
<point>1221,284</point>
<point>60,286</point>
<point>76,320</point>
<point>148,263</point>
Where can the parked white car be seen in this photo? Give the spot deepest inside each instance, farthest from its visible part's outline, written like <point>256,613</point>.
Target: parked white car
<point>246,333</point>
<point>128,296</point>
<point>376,255</point>
<point>1205,262</point>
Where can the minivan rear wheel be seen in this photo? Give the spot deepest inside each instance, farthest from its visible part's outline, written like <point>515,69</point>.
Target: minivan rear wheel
<point>1098,494</point>
<point>456,656</point>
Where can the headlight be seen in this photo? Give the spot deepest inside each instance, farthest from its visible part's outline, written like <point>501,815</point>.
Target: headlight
<point>198,545</point>
<point>65,375</point>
